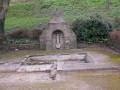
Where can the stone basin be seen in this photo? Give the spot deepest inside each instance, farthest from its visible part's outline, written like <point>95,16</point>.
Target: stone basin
<point>49,59</point>
<point>45,62</point>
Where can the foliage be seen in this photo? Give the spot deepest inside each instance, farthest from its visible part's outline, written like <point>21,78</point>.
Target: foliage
<point>115,36</point>
<point>114,40</point>
<point>21,15</point>
<point>10,41</point>
<point>21,33</point>
<point>1,40</point>
<point>46,4</point>
<point>23,36</point>
<point>34,34</point>
<point>94,29</point>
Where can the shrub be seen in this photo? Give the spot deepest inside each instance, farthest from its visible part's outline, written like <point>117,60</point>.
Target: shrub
<point>34,34</point>
<point>94,29</point>
<point>13,41</point>
<point>1,40</point>
<point>21,33</point>
<point>22,36</point>
<point>46,5</point>
<point>115,36</point>
<point>114,40</point>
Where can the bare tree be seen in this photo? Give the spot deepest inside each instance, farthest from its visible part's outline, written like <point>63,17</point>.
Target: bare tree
<point>3,10</point>
<point>37,11</point>
<point>107,4</point>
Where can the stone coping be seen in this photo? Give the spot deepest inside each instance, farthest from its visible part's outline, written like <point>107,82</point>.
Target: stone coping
<point>20,67</point>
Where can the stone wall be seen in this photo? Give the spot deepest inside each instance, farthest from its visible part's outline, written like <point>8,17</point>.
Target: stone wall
<point>69,36</point>
<point>57,35</point>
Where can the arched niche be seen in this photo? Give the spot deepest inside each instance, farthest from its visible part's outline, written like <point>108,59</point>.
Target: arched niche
<point>58,39</point>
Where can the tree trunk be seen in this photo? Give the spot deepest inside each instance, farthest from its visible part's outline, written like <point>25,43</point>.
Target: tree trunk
<point>107,4</point>
<point>3,10</point>
<point>37,11</point>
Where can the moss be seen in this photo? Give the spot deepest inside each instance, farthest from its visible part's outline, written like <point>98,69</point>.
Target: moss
<point>114,57</point>
<point>21,53</point>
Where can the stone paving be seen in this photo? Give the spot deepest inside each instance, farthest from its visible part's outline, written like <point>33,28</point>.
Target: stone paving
<point>96,72</point>
<point>65,62</point>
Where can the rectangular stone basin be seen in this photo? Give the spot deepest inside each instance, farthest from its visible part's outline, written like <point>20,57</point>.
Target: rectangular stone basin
<point>45,62</point>
<point>49,59</point>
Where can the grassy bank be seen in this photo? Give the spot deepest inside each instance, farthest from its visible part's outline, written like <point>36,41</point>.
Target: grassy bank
<point>21,15</point>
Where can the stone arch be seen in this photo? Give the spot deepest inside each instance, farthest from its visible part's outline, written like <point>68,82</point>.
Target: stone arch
<point>58,39</point>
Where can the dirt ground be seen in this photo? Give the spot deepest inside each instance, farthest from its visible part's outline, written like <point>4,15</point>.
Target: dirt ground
<point>82,80</point>
<point>85,80</point>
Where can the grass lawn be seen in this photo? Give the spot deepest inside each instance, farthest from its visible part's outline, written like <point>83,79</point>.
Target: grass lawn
<point>21,15</point>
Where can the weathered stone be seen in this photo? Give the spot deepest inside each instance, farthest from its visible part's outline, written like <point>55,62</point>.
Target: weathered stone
<point>57,35</point>
<point>53,71</point>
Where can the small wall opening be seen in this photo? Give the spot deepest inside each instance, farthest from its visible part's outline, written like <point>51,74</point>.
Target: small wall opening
<point>58,40</point>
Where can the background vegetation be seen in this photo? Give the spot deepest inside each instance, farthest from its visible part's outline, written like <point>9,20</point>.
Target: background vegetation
<point>114,41</point>
<point>21,15</point>
<point>92,30</point>
<point>26,26</point>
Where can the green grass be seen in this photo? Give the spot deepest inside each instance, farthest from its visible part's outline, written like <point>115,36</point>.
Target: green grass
<point>116,58</point>
<point>21,15</point>
<point>14,23</point>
